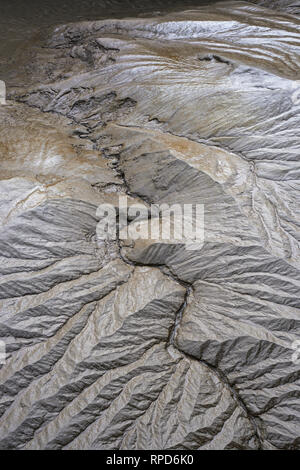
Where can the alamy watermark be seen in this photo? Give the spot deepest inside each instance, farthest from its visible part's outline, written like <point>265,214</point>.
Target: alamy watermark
<point>176,223</point>
<point>2,92</point>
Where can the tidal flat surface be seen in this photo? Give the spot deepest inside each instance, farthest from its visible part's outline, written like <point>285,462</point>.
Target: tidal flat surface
<point>143,343</point>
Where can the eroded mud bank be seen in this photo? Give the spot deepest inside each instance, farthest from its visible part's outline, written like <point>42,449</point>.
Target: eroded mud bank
<point>144,344</point>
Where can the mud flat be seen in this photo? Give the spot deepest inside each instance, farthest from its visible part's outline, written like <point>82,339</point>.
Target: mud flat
<point>144,344</point>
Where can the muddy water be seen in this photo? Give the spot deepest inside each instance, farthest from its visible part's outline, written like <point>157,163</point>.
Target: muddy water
<point>19,19</point>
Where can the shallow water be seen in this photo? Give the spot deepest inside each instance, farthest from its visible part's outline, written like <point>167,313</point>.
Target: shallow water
<point>19,18</point>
